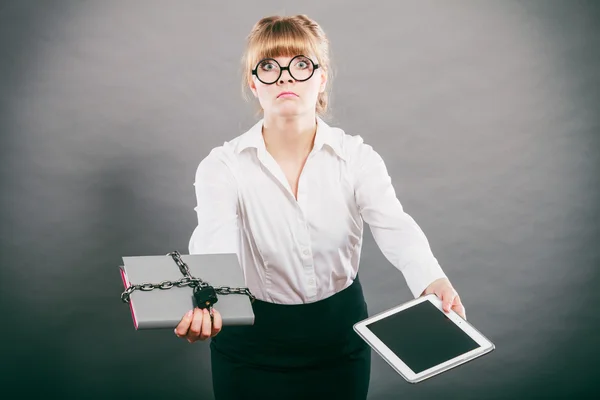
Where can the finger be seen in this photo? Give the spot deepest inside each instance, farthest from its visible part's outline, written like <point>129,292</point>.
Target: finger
<point>457,301</point>
<point>448,297</point>
<point>206,325</point>
<point>182,327</point>
<point>460,310</point>
<point>458,307</point>
<point>217,323</point>
<point>196,326</point>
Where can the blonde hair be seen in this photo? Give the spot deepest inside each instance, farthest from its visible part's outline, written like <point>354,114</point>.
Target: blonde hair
<point>276,36</point>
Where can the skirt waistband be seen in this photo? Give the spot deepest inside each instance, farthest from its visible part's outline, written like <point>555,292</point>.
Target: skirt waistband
<point>351,296</point>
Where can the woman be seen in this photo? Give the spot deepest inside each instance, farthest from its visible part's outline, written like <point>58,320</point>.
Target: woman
<point>289,196</point>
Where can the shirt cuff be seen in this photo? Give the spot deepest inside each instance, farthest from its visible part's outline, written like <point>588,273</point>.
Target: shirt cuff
<point>419,276</point>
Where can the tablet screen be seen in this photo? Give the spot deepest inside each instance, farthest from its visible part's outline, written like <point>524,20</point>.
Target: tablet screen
<point>422,336</point>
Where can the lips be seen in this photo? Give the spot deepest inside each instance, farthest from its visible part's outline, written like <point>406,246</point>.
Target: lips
<point>286,93</point>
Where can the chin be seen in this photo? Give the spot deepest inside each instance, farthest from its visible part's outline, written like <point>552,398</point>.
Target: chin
<point>288,112</point>
<point>290,109</point>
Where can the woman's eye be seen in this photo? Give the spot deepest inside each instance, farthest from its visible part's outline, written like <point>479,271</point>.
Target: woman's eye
<point>302,63</point>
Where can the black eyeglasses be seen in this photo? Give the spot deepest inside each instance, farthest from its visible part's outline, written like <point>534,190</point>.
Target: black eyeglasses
<point>268,70</point>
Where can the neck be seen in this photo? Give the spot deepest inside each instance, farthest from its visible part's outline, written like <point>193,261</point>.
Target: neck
<point>289,136</point>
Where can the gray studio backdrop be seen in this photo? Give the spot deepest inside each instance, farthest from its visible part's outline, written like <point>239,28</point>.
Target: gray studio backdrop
<point>486,113</point>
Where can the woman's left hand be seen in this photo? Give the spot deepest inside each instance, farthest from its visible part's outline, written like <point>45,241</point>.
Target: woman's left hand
<point>443,289</point>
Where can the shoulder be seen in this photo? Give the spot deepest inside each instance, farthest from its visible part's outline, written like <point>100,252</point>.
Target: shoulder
<point>351,145</point>
<point>220,160</point>
<point>229,152</point>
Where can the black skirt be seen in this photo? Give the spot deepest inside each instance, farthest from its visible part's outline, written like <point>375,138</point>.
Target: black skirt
<point>295,351</point>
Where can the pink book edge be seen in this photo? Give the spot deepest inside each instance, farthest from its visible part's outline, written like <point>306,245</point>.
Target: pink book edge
<point>126,285</point>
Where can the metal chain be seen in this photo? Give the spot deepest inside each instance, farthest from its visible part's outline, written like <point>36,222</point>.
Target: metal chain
<point>187,280</point>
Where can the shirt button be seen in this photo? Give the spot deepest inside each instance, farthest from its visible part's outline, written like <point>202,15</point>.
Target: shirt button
<point>305,251</point>
<point>311,281</point>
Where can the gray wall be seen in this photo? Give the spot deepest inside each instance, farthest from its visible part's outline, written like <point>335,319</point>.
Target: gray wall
<point>486,113</point>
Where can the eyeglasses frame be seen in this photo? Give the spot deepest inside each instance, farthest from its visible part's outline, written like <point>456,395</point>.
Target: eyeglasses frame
<point>281,69</point>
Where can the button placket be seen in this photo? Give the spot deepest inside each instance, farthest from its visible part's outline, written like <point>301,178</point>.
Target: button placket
<point>304,236</point>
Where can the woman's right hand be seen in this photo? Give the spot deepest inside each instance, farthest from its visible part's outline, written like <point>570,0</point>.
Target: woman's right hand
<point>197,325</point>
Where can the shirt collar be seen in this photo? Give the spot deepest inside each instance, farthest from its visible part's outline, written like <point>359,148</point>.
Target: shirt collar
<point>325,136</point>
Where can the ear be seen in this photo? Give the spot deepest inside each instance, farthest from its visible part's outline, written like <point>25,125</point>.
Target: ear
<point>252,86</point>
<point>323,82</point>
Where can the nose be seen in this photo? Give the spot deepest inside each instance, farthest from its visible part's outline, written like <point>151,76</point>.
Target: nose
<point>282,78</point>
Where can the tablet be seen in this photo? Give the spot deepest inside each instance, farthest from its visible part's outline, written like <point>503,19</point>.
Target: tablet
<point>419,340</point>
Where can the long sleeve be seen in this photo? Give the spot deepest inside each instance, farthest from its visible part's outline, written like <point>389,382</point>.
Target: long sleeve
<point>216,195</point>
<point>396,233</point>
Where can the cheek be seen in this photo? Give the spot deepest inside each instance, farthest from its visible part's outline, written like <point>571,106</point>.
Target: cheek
<point>312,90</point>
<point>264,94</point>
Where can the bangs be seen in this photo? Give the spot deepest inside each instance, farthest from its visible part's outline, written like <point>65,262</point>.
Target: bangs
<point>281,39</point>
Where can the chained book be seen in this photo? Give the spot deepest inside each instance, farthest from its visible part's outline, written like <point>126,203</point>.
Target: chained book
<point>159,302</point>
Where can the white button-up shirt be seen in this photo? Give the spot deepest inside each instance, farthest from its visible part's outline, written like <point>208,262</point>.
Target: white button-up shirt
<point>300,251</point>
